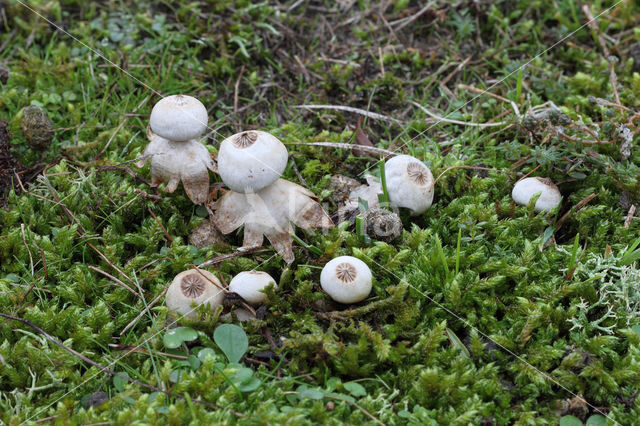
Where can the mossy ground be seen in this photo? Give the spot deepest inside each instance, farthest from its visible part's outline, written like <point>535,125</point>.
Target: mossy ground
<point>482,312</point>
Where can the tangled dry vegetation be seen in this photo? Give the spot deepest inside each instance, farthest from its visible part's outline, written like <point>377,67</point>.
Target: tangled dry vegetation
<point>476,309</point>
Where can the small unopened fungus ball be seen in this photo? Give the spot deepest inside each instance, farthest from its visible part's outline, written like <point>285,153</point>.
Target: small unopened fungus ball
<point>178,118</point>
<point>409,183</point>
<point>251,160</point>
<point>526,188</point>
<point>250,284</point>
<point>346,279</point>
<point>192,288</point>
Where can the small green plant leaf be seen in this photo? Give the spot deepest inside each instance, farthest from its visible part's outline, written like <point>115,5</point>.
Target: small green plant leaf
<point>570,421</point>
<point>596,420</point>
<point>232,341</point>
<point>242,375</point>
<point>176,336</point>
<point>355,389</point>
<point>312,393</point>
<point>194,362</point>
<point>636,328</point>
<point>204,352</point>
<point>457,343</point>
<point>250,385</point>
<point>119,382</point>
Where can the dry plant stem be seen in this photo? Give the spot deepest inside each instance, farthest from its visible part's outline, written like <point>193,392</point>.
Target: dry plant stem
<point>125,169</point>
<point>166,234</point>
<point>613,79</point>
<point>575,208</point>
<point>515,108</point>
<point>115,280</point>
<point>371,149</point>
<point>113,373</point>
<point>401,23</point>
<point>233,255</point>
<point>144,311</point>
<point>115,132</point>
<point>366,113</point>
<point>46,419</point>
<point>527,175</point>
<point>630,213</point>
<point>463,123</point>
<point>458,167</point>
<point>130,348</point>
<point>24,240</point>
<point>365,412</point>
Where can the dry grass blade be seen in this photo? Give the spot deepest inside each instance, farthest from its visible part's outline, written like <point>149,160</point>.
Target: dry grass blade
<point>463,123</point>
<point>141,314</point>
<point>371,149</point>
<point>369,114</point>
<point>115,280</point>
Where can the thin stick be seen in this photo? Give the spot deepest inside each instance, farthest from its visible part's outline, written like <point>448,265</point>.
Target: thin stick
<point>235,254</point>
<point>630,213</point>
<point>24,240</point>
<point>575,208</point>
<point>613,79</point>
<point>144,311</point>
<point>113,373</point>
<point>366,113</point>
<point>515,108</point>
<point>117,281</point>
<point>371,149</point>
<point>464,123</point>
<point>166,234</point>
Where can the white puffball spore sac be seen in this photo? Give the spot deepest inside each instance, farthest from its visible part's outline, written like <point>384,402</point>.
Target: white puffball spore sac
<point>346,279</point>
<point>409,183</point>
<point>550,196</point>
<point>192,288</point>
<point>250,285</point>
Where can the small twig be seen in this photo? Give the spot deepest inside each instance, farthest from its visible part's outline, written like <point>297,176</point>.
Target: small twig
<point>514,106</point>
<point>130,348</point>
<point>46,419</point>
<point>297,172</point>
<point>372,149</point>
<point>24,240</point>
<point>630,213</point>
<point>366,113</point>
<point>575,208</point>
<point>113,373</point>
<point>235,254</point>
<point>166,234</point>
<point>409,19</point>
<point>115,280</point>
<point>464,123</point>
<point>115,132</point>
<point>147,308</point>
<point>613,79</point>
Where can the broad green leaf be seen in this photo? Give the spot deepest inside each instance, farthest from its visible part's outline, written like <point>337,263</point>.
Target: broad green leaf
<point>232,340</point>
<point>204,353</point>
<point>355,389</point>
<point>570,421</point>
<point>176,336</point>
<point>119,382</point>
<point>250,385</point>
<point>596,420</point>
<point>312,393</point>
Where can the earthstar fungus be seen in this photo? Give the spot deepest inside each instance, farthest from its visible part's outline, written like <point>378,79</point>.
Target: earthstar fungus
<point>174,152</point>
<point>271,212</point>
<point>192,288</point>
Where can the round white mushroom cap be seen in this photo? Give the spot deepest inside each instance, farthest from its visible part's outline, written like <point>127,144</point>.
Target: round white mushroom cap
<point>409,183</point>
<point>192,288</point>
<point>251,160</point>
<point>178,118</point>
<point>249,285</point>
<point>346,279</point>
<point>526,188</point>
